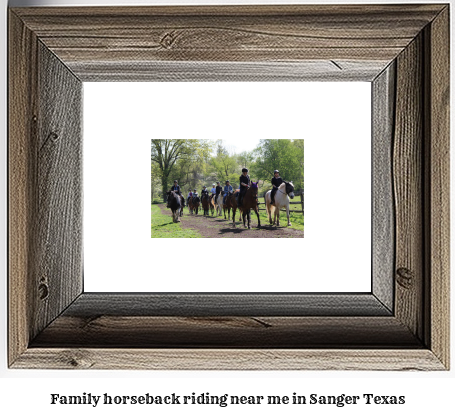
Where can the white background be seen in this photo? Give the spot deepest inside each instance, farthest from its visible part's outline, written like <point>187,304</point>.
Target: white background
<point>333,118</point>
<point>28,391</point>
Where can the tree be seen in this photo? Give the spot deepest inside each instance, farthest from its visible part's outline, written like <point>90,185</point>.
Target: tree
<point>283,155</point>
<point>246,159</point>
<point>155,180</point>
<point>224,165</point>
<point>166,153</point>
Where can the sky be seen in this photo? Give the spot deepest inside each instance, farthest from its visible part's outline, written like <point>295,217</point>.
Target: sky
<point>238,145</point>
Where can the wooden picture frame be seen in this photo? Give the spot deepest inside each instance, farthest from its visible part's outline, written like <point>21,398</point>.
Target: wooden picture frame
<point>403,324</point>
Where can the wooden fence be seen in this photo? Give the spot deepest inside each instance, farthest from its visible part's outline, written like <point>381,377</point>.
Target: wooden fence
<point>298,193</point>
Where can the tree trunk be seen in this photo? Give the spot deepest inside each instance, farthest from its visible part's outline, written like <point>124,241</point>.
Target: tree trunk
<point>164,184</point>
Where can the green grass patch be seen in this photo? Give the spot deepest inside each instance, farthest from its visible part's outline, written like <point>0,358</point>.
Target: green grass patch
<point>163,227</point>
<point>295,215</point>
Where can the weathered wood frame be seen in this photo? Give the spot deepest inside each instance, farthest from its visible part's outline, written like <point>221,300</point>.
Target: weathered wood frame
<point>403,50</point>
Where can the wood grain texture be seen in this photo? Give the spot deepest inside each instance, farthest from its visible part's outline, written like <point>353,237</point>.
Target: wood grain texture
<point>58,211</point>
<point>227,34</point>
<point>215,305</point>
<point>308,71</point>
<point>53,49</point>
<point>229,359</point>
<point>22,95</point>
<point>383,215</point>
<point>437,164</point>
<point>408,196</point>
<point>256,332</point>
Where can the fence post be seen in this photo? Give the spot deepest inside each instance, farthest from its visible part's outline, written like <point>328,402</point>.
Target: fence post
<point>301,199</point>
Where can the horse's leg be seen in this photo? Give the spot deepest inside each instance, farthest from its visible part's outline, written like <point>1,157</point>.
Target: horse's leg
<point>287,214</point>
<point>249,218</point>
<point>257,214</point>
<point>244,215</point>
<point>233,216</point>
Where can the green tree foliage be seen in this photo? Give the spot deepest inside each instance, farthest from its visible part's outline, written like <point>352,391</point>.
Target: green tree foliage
<point>175,156</point>
<point>283,155</point>
<point>224,166</point>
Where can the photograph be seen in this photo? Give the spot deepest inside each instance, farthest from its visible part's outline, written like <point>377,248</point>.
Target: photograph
<point>227,189</point>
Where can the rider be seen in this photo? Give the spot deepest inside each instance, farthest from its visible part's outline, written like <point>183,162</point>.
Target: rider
<point>190,195</point>
<point>227,189</point>
<point>244,185</point>
<point>176,189</point>
<point>218,190</point>
<point>276,182</point>
<point>195,194</point>
<point>213,190</point>
<point>204,192</point>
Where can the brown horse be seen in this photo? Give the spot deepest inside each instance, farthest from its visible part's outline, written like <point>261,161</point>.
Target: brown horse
<point>194,204</point>
<point>250,201</point>
<point>205,201</point>
<point>229,204</point>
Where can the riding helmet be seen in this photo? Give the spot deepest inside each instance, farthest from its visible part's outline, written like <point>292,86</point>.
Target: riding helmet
<point>244,170</point>
<point>276,171</point>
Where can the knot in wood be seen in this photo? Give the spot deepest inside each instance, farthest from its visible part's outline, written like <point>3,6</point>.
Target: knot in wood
<point>168,39</point>
<point>43,291</point>
<point>53,136</point>
<point>405,278</point>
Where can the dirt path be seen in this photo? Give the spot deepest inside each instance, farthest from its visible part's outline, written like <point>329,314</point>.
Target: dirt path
<point>218,227</point>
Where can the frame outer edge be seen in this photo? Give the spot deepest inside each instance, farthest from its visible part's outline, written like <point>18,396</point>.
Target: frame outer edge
<point>22,95</point>
<point>439,212</point>
<point>228,359</point>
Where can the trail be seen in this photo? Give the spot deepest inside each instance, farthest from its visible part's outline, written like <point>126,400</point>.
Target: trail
<point>218,227</point>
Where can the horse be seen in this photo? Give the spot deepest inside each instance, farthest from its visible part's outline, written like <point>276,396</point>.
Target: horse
<point>205,201</point>
<point>219,205</point>
<point>212,203</point>
<point>282,195</point>
<point>175,204</point>
<point>182,200</point>
<point>250,201</point>
<point>195,204</point>
<point>228,204</point>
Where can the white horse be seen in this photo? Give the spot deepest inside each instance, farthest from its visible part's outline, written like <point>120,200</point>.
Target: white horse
<point>282,195</point>
<point>219,205</point>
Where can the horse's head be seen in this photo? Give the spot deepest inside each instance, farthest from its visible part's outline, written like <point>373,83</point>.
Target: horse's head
<point>290,189</point>
<point>254,188</point>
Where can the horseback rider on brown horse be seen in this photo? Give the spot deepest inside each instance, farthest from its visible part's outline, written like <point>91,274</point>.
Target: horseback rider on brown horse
<point>244,185</point>
<point>247,199</point>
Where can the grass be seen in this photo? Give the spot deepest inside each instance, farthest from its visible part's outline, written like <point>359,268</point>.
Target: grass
<point>163,227</point>
<point>296,217</point>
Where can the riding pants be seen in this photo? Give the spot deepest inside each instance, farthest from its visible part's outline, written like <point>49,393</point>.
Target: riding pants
<point>274,190</point>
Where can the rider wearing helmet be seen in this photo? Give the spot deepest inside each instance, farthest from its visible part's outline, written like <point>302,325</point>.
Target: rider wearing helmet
<point>213,190</point>
<point>218,189</point>
<point>227,189</point>
<point>244,185</point>
<point>204,191</point>
<point>276,183</point>
<point>176,189</point>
